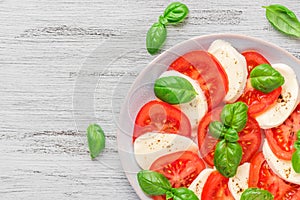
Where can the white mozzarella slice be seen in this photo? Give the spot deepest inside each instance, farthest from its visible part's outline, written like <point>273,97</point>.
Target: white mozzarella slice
<point>234,65</point>
<point>283,168</point>
<point>286,104</point>
<point>194,109</point>
<point>150,146</point>
<point>239,183</point>
<point>198,184</point>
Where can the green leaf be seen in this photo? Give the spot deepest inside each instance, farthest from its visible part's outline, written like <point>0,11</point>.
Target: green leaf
<point>283,19</point>
<point>183,194</point>
<point>256,194</point>
<point>217,129</point>
<point>174,90</point>
<point>235,115</point>
<point>296,161</point>
<point>176,12</point>
<point>298,135</point>
<point>227,157</point>
<point>265,78</point>
<point>153,183</point>
<point>156,37</point>
<point>96,140</point>
<point>231,135</point>
<point>169,195</point>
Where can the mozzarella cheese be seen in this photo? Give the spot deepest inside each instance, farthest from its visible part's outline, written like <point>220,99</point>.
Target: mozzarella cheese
<point>150,146</point>
<point>284,105</point>
<point>239,183</point>
<point>283,168</point>
<point>234,65</point>
<point>198,184</point>
<point>194,109</point>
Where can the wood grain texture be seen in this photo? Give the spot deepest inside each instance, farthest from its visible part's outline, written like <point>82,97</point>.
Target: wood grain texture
<point>67,63</point>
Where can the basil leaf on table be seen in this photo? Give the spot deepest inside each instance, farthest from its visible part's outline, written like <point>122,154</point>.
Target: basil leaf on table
<point>96,140</point>
<point>256,194</point>
<point>176,12</point>
<point>153,183</point>
<point>174,90</point>
<point>183,194</point>
<point>235,115</point>
<point>227,157</point>
<point>217,129</point>
<point>283,19</point>
<point>156,37</point>
<point>265,78</point>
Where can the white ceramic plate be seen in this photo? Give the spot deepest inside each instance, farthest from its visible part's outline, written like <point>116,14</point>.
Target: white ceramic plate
<point>142,89</point>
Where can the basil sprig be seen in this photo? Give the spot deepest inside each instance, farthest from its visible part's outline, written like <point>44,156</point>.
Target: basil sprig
<point>283,19</point>
<point>228,152</point>
<point>296,154</point>
<point>257,194</point>
<point>174,90</point>
<point>265,78</point>
<point>153,184</point>
<point>96,140</point>
<point>175,13</point>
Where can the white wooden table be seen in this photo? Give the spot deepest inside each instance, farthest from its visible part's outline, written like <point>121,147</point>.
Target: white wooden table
<point>67,63</point>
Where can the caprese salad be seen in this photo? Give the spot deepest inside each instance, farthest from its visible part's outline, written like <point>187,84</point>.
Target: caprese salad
<point>224,121</point>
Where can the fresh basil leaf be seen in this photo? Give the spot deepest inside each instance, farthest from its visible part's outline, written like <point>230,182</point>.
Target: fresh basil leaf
<point>183,194</point>
<point>156,37</point>
<point>169,195</point>
<point>297,144</point>
<point>265,78</point>
<point>298,135</point>
<point>153,183</point>
<point>176,12</point>
<point>256,194</point>
<point>283,19</point>
<point>235,115</point>
<point>227,157</point>
<point>217,129</point>
<point>96,140</point>
<point>162,20</point>
<point>231,135</point>
<point>296,161</point>
<point>174,90</point>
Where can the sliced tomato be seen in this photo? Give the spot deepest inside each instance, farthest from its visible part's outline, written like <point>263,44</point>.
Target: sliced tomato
<point>282,138</point>
<point>161,117</point>
<point>181,168</point>
<point>249,137</point>
<point>216,188</point>
<point>205,68</point>
<point>261,176</point>
<point>257,101</point>
<point>253,59</point>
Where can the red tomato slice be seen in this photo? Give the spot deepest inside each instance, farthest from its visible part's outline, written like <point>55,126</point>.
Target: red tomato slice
<point>282,138</point>
<point>254,59</point>
<point>205,68</point>
<point>257,101</point>
<point>261,176</point>
<point>161,117</point>
<point>216,188</point>
<point>249,137</point>
<point>181,168</point>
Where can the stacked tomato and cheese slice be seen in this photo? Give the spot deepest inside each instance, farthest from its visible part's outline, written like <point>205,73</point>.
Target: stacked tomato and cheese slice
<point>174,139</point>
